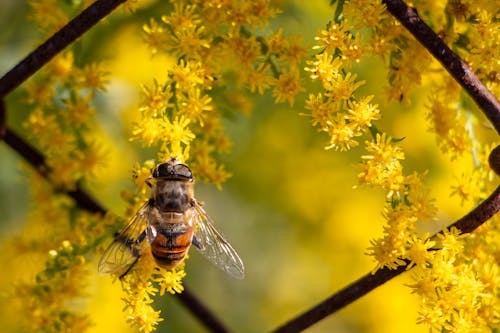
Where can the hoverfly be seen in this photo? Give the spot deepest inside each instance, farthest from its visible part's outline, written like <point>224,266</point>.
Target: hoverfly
<point>170,222</point>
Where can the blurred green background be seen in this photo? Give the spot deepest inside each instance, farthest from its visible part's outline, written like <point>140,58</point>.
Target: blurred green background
<point>290,208</point>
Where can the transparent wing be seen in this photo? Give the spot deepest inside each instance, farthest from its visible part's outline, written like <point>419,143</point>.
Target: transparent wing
<point>214,247</point>
<point>126,247</point>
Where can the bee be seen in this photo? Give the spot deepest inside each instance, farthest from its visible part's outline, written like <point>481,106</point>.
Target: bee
<point>167,225</point>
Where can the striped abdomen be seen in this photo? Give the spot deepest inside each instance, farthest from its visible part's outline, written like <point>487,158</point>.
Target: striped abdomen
<point>170,246</point>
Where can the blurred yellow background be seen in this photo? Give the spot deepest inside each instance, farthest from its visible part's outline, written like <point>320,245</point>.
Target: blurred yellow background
<point>289,209</point>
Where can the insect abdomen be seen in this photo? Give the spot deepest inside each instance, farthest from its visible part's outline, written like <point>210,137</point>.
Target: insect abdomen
<point>171,244</point>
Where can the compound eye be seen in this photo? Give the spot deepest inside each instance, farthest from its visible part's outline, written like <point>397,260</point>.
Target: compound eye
<point>182,170</point>
<point>172,171</point>
<point>161,170</point>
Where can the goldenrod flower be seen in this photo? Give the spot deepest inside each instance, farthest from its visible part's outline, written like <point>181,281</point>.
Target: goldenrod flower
<point>418,251</point>
<point>287,87</point>
<point>449,124</point>
<point>154,36</point>
<point>170,281</point>
<point>79,109</point>
<point>156,99</point>
<point>183,17</point>
<point>276,42</point>
<point>321,109</point>
<point>39,93</point>
<point>362,113</point>
<point>195,104</point>
<point>150,131</point>
<point>258,79</point>
<point>49,16</point>
<point>333,38</point>
<point>326,67</point>
<point>93,76</point>
<point>469,187</point>
<point>382,167</point>
<point>365,13</point>
<point>62,65</point>
<point>189,74</point>
<point>341,133</point>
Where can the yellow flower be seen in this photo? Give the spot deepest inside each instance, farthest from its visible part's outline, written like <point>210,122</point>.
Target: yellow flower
<point>450,242</point>
<point>260,11</point>
<point>141,314</point>
<point>190,43</point>
<point>333,38</point>
<point>364,13</point>
<point>448,124</point>
<point>91,158</point>
<point>294,53</point>
<point>177,132</point>
<point>78,109</point>
<point>93,76</point>
<point>352,51</point>
<point>149,131</point>
<point>425,284</point>
<point>142,173</point>
<point>341,133</point>
<point>170,280</point>
<point>382,167</point>
<point>418,251</point>
<point>469,187</point>
<point>49,15</point>
<point>287,87</point>
<point>194,105</point>
<point>276,42</point>
<point>257,78</point>
<point>322,110</point>
<point>362,113</point>
<point>342,87</point>
<point>326,67</point>
<point>154,36</point>
<point>39,93</point>
<point>418,197</point>
<point>62,65</point>
<point>246,50</point>
<point>183,17</point>
<point>384,254</point>
<point>155,100</point>
<point>189,74</point>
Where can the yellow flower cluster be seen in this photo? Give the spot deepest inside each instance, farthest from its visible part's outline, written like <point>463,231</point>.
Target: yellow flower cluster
<point>139,290</point>
<point>46,302</point>
<point>459,293</point>
<point>218,49</point>
<point>61,98</point>
<point>345,117</point>
<point>336,110</point>
<point>383,167</point>
<point>60,125</point>
<point>458,284</point>
<point>408,202</point>
<point>214,47</point>
<point>49,299</point>
<point>456,276</point>
<point>482,38</point>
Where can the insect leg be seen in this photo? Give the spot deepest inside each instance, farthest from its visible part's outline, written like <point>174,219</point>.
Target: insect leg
<point>196,242</point>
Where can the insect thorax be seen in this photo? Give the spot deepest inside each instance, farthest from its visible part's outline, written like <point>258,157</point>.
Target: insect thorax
<point>172,195</point>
